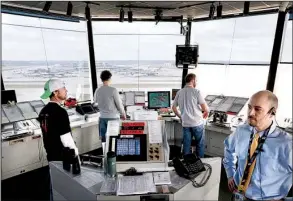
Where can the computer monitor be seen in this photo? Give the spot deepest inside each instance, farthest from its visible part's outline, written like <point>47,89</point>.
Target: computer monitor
<point>186,54</point>
<point>85,108</point>
<point>129,147</point>
<point>8,95</point>
<point>174,92</point>
<point>158,99</point>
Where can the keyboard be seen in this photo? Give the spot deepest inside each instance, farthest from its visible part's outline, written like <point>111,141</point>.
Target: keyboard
<point>168,115</point>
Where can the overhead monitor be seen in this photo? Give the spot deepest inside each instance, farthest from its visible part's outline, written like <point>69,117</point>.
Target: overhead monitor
<point>186,55</point>
<point>129,147</point>
<point>158,99</point>
<point>8,95</point>
<point>174,92</point>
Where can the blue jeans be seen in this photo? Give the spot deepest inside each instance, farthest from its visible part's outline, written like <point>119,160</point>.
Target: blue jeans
<point>198,133</point>
<point>103,123</point>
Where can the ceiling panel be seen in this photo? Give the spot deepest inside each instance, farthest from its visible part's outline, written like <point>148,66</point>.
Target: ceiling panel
<point>110,9</point>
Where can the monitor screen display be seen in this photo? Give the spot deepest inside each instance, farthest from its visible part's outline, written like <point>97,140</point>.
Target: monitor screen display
<point>128,147</point>
<point>158,99</point>
<point>186,55</point>
<point>8,95</point>
<point>88,109</point>
<point>174,92</point>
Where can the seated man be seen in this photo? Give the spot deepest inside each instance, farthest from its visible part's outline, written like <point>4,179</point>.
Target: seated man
<point>262,151</point>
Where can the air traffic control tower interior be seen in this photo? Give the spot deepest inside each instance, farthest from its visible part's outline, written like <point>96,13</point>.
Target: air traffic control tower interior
<point>235,49</point>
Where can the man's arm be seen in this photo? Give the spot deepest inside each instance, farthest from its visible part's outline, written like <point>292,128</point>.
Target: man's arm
<point>65,133</point>
<point>175,104</point>
<point>119,104</point>
<point>203,105</point>
<point>205,109</point>
<point>230,158</point>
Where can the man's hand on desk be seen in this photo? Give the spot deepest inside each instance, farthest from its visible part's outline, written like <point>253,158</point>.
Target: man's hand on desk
<point>231,184</point>
<point>123,117</point>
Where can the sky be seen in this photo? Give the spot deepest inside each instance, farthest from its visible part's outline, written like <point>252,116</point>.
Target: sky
<point>239,39</point>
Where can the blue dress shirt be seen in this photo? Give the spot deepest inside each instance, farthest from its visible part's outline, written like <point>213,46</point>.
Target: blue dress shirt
<point>272,175</point>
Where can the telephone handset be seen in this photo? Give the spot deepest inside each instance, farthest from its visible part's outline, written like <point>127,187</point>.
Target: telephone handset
<point>190,167</point>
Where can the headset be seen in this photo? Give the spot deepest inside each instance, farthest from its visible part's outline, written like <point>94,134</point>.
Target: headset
<point>272,111</point>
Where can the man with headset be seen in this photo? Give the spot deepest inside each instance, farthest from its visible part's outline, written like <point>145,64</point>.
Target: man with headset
<point>262,151</point>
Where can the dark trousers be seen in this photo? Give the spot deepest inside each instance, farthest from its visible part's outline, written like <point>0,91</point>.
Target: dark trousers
<point>49,184</point>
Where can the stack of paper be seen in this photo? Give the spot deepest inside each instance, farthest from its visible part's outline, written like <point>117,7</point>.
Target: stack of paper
<point>113,127</point>
<point>155,132</point>
<point>130,185</point>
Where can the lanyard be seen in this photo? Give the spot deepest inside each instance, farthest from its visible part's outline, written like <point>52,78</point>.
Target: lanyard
<point>251,159</point>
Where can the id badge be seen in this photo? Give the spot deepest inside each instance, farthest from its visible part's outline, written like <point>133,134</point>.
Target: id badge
<point>238,196</point>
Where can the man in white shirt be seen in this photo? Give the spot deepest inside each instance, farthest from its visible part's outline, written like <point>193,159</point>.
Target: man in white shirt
<point>191,104</point>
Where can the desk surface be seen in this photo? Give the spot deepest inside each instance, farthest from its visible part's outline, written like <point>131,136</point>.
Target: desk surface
<point>92,179</point>
<point>91,120</point>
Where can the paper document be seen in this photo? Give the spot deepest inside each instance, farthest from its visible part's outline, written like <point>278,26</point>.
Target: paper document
<point>130,185</point>
<point>139,99</point>
<point>150,182</point>
<point>122,97</point>
<point>155,132</point>
<point>113,127</point>
<point>109,186</point>
<point>129,98</point>
<point>145,115</point>
<point>161,178</point>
